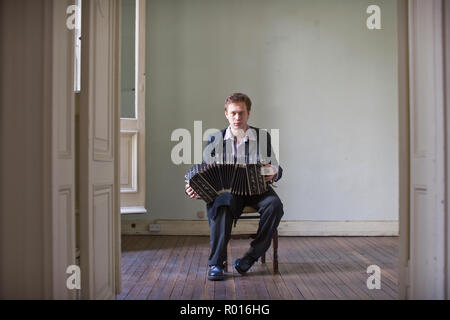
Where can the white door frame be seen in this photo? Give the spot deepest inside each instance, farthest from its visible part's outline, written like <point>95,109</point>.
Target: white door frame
<point>447,134</point>
<point>427,275</point>
<point>403,147</point>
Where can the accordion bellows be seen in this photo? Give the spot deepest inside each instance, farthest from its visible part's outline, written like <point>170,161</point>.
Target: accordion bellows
<point>210,180</point>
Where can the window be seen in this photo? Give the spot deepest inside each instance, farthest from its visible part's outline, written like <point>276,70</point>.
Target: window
<point>129,43</point>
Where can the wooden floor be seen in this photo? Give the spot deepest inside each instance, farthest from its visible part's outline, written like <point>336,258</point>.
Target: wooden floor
<point>175,267</point>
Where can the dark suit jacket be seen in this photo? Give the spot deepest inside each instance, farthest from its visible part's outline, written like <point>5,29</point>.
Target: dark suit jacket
<point>225,199</point>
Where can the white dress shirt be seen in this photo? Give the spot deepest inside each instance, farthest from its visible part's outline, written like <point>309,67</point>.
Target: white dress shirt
<point>239,146</point>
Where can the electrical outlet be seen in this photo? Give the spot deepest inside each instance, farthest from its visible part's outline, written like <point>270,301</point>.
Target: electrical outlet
<point>201,214</point>
<point>153,227</point>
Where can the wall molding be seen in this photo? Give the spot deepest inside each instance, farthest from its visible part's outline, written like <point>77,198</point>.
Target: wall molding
<point>286,228</point>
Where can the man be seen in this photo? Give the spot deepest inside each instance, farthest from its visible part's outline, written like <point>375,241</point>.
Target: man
<point>226,207</point>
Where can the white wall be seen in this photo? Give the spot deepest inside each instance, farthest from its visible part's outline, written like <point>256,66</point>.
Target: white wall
<point>312,69</point>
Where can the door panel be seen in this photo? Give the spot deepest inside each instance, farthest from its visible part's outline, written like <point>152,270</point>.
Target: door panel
<point>100,246</point>
<point>63,190</point>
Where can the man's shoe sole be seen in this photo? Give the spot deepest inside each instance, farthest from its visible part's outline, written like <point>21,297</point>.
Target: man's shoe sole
<point>240,271</point>
<point>236,267</point>
<point>216,278</point>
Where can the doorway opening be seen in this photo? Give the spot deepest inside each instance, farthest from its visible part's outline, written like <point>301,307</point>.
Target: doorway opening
<point>130,115</point>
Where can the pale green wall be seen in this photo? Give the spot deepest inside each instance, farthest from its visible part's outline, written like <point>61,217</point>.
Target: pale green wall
<point>312,69</point>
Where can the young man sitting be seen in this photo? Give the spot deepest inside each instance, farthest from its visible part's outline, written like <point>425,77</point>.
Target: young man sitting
<point>227,207</point>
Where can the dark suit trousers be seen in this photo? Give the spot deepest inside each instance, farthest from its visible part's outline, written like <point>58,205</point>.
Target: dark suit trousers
<point>270,208</point>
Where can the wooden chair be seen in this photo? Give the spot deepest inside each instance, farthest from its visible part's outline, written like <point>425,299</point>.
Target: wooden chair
<point>249,213</point>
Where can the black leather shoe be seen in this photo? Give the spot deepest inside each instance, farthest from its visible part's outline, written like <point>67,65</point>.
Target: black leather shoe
<point>215,273</point>
<point>244,264</point>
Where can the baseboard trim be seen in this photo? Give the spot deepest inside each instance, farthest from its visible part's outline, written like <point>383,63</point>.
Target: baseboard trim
<point>286,228</point>
<point>133,210</point>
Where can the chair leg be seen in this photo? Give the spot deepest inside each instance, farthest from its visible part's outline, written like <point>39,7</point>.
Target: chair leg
<point>275,252</point>
<point>263,258</point>
<point>225,263</point>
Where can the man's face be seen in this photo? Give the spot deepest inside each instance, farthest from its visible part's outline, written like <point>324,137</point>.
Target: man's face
<point>237,115</point>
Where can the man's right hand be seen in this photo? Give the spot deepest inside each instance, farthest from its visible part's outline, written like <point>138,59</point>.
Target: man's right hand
<point>191,193</point>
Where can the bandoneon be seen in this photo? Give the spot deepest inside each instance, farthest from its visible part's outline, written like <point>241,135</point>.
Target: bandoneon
<point>210,180</point>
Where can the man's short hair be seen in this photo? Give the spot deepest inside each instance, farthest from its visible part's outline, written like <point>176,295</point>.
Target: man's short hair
<point>238,97</point>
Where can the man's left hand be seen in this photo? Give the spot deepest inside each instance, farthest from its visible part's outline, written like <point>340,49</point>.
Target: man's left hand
<point>269,177</point>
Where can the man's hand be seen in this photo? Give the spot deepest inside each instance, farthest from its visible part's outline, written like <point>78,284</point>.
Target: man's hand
<point>271,176</point>
<point>191,193</point>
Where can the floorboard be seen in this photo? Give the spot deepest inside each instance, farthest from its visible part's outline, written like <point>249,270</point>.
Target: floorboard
<point>312,268</point>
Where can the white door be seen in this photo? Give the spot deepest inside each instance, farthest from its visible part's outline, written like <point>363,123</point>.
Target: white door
<point>37,188</point>
<point>427,233</point>
<point>63,154</point>
<point>99,131</point>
